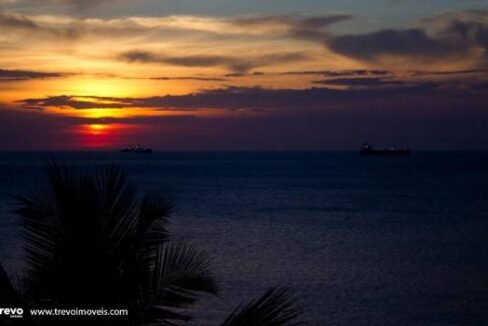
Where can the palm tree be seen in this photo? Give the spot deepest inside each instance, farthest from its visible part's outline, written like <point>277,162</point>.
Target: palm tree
<point>275,308</point>
<point>91,241</point>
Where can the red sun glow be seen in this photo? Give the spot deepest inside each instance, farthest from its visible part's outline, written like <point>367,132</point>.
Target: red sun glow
<point>99,135</point>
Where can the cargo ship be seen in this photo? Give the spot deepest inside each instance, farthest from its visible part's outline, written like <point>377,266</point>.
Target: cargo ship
<point>137,149</point>
<point>367,149</point>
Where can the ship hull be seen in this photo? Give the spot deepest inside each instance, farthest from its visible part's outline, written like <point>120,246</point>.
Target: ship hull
<point>143,151</point>
<point>386,152</point>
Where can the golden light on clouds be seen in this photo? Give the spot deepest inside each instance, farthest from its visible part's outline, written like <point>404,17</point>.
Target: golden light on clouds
<point>107,73</point>
<point>100,87</point>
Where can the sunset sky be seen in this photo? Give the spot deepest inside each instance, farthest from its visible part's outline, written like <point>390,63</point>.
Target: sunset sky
<point>243,75</point>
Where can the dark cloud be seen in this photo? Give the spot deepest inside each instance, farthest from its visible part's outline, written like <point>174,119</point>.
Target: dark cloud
<point>340,73</point>
<point>233,63</point>
<point>446,37</point>
<point>17,22</point>
<point>422,116</point>
<point>203,60</point>
<point>216,79</point>
<point>78,103</point>
<point>268,26</point>
<point>411,42</point>
<point>81,4</point>
<point>168,78</point>
<point>441,38</point>
<point>68,29</point>
<point>384,73</point>
<point>298,26</point>
<point>361,82</point>
<point>303,27</point>
<point>437,38</point>
<point>296,22</point>
<point>18,75</point>
<point>9,20</point>
<point>241,74</point>
<point>449,73</point>
<point>232,98</point>
<point>78,4</point>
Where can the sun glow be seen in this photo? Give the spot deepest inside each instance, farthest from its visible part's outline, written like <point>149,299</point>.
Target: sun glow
<point>98,129</point>
<point>105,135</point>
<point>98,135</point>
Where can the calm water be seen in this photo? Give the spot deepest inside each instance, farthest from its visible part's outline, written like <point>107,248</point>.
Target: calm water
<point>362,240</point>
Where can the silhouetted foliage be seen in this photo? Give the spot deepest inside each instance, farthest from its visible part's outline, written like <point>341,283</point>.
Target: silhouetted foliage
<point>91,242</point>
<point>275,308</point>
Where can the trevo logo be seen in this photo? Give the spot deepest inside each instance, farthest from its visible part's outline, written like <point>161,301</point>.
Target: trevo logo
<point>12,312</point>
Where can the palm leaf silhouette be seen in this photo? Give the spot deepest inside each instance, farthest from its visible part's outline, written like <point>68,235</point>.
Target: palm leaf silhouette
<point>90,240</point>
<point>179,273</point>
<point>275,308</point>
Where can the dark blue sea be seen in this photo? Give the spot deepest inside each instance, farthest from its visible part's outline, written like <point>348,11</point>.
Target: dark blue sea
<point>361,240</point>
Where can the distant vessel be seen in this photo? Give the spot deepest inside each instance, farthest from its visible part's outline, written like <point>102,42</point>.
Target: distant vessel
<point>367,149</point>
<point>137,149</point>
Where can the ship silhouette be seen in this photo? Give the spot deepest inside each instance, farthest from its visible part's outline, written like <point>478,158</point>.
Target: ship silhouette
<point>137,149</point>
<point>367,149</point>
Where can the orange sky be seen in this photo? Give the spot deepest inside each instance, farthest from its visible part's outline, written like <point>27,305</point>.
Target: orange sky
<point>60,61</point>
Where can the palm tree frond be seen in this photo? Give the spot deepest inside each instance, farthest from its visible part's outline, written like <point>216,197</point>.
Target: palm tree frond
<point>154,212</point>
<point>35,212</point>
<point>90,240</point>
<point>117,203</point>
<point>275,308</point>
<point>183,272</point>
<point>180,275</point>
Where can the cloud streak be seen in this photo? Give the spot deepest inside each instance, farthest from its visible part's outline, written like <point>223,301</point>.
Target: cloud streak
<point>360,82</point>
<point>235,64</point>
<point>443,38</point>
<point>21,75</point>
<point>79,4</point>
<point>234,98</point>
<point>191,78</point>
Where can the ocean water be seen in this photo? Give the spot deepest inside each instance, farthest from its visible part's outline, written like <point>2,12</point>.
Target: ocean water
<point>360,240</point>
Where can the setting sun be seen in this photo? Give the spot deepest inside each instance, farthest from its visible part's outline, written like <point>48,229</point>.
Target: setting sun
<point>343,144</point>
<point>97,129</point>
